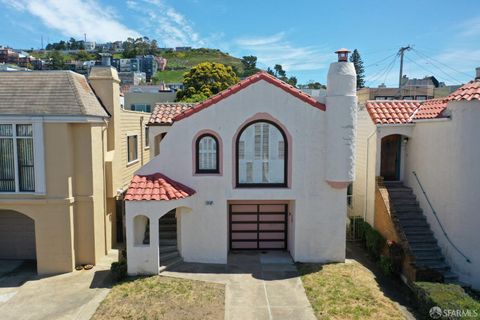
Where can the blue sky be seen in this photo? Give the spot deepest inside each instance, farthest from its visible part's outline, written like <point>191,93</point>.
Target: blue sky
<point>300,35</point>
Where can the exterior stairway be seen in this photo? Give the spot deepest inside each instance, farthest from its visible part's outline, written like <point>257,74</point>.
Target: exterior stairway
<point>421,241</point>
<point>167,230</point>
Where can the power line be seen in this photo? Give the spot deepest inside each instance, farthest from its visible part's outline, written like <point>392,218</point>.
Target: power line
<point>445,65</point>
<point>384,71</point>
<point>430,71</point>
<point>376,63</point>
<point>440,69</point>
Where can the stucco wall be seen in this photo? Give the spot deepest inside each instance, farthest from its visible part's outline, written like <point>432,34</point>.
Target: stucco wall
<point>445,156</point>
<point>320,211</point>
<point>364,183</point>
<point>69,218</point>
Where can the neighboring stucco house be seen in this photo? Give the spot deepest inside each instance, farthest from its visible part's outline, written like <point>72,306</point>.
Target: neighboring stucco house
<point>258,166</point>
<point>434,145</point>
<point>65,146</point>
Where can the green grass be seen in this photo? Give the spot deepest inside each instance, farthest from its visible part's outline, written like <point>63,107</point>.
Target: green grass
<point>168,76</point>
<point>346,291</point>
<point>161,297</point>
<point>180,62</point>
<point>445,296</point>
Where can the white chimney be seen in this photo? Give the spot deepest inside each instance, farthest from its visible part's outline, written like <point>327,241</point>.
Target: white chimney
<point>341,109</point>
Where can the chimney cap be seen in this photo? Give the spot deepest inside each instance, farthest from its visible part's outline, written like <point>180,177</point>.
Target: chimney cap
<point>341,50</point>
<point>342,54</point>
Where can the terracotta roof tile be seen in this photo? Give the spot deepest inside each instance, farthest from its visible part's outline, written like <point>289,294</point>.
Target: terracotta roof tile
<point>156,187</point>
<point>431,109</point>
<point>392,111</point>
<point>469,91</point>
<point>163,113</point>
<point>245,83</point>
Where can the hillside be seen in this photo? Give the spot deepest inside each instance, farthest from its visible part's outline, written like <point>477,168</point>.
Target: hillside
<point>180,62</point>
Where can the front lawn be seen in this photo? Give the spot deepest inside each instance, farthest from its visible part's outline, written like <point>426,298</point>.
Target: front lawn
<point>161,297</point>
<point>346,291</point>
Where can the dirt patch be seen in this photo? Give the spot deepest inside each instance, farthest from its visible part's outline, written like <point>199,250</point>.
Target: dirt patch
<point>166,298</point>
<point>346,291</point>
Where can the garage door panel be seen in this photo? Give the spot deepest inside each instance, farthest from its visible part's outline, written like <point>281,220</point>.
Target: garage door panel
<point>258,226</point>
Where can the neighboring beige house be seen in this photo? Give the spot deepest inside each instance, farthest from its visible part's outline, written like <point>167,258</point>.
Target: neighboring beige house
<point>426,153</point>
<point>259,166</point>
<point>65,146</point>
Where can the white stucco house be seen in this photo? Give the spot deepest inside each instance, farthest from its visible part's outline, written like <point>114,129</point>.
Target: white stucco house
<point>429,151</point>
<point>259,166</point>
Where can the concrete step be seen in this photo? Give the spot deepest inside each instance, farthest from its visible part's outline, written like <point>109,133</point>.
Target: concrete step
<point>168,242</point>
<point>414,222</point>
<point>167,227</point>
<point>167,221</point>
<point>426,251</point>
<point>437,266</point>
<point>422,260</point>
<point>168,256</point>
<point>167,249</point>
<point>407,209</point>
<point>415,240</point>
<point>165,265</point>
<point>168,235</point>
<point>393,184</point>
<point>404,201</point>
<point>418,232</point>
<point>401,195</point>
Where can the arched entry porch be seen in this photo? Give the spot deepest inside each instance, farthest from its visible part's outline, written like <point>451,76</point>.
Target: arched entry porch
<point>17,236</point>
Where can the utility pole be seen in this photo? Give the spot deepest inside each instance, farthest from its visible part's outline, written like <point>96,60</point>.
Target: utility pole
<point>400,53</point>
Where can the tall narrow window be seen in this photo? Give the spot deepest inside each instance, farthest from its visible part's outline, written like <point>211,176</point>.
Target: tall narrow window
<point>147,143</point>
<point>17,170</point>
<point>261,156</point>
<point>207,156</point>
<point>132,146</point>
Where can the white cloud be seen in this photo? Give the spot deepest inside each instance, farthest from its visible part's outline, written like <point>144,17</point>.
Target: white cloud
<point>167,25</point>
<point>470,28</point>
<point>76,17</point>
<point>276,49</point>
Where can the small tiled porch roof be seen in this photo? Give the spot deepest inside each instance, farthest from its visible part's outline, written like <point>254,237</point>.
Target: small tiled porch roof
<point>156,187</point>
<point>164,113</point>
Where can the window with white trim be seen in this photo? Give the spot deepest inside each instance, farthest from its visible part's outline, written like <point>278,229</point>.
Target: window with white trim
<point>261,156</point>
<point>207,156</point>
<point>17,160</point>
<point>132,148</point>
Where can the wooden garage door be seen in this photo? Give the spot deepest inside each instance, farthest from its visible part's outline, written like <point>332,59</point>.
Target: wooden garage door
<point>258,226</point>
<point>17,236</point>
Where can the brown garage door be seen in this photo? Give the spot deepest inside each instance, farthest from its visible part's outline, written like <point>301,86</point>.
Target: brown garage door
<point>17,236</point>
<point>258,226</point>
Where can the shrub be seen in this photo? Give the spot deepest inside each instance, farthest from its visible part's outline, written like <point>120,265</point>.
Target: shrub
<point>374,242</point>
<point>119,270</point>
<point>386,265</point>
<point>450,298</point>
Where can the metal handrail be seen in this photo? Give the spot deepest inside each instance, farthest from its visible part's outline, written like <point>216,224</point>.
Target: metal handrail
<point>438,220</point>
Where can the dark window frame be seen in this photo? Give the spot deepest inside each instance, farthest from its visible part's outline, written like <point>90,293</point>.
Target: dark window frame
<point>133,136</point>
<point>284,184</point>
<point>197,155</point>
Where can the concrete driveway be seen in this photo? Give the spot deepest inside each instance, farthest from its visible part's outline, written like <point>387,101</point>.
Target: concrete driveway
<point>258,286</point>
<point>75,295</point>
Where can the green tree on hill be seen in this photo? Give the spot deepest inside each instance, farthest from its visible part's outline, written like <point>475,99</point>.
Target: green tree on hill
<point>249,65</point>
<point>281,74</point>
<point>205,80</point>
<point>358,63</point>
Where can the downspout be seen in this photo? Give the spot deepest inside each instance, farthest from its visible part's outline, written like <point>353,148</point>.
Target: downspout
<point>366,176</point>
<point>105,207</point>
<point>142,142</point>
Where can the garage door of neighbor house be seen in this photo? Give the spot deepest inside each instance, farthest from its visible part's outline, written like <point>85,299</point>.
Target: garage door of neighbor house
<point>17,236</point>
<point>258,226</point>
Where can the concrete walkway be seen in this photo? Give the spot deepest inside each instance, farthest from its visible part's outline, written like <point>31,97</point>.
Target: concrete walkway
<point>258,286</point>
<point>75,295</point>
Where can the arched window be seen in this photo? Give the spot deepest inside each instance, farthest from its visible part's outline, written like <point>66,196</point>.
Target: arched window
<point>261,155</point>
<point>207,154</point>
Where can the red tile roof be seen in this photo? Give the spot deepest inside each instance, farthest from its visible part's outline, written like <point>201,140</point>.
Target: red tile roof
<point>431,109</point>
<point>163,113</point>
<point>392,111</point>
<point>469,91</point>
<point>245,83</point>
<point>156,187</point>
